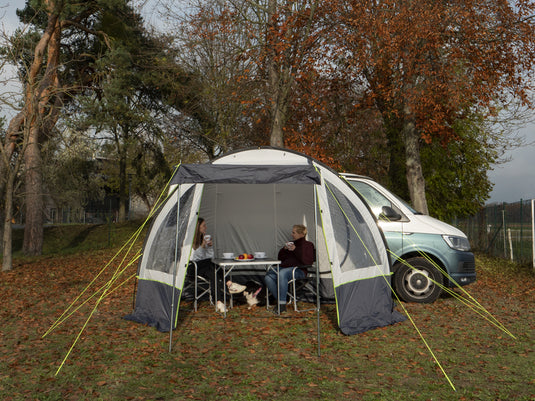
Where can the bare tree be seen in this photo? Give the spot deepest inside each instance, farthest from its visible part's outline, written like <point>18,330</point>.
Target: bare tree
<point>11,150</point>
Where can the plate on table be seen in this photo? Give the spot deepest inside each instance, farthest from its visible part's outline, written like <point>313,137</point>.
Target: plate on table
<point>243,260</point>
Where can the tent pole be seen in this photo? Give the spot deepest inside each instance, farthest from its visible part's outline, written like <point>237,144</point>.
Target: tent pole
<point>174,273</point>
<point>134,295</point>
<point>317,271</point>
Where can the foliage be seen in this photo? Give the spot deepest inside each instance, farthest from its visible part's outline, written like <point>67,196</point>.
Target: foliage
<point>457,183</point>
<point>366,87</point>
<point>427,65</point>
<point>253,355</point>
<point>124,105</point>
<point>71,172</point>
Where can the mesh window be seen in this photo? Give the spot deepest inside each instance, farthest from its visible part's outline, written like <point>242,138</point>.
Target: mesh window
<point>354,240</point>
<point>162,251</point>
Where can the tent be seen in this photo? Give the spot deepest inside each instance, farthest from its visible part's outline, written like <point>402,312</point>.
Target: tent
<point>250,199</point>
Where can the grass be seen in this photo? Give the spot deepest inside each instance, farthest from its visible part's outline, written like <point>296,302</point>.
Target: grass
<point>72,238</point>
<point>253,355</point>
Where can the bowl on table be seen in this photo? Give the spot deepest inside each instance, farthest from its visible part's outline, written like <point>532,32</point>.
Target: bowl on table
<point>228,255</point>
<point>259,255</point>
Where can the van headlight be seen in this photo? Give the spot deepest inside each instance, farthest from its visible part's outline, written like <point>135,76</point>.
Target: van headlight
<point>457,243</point>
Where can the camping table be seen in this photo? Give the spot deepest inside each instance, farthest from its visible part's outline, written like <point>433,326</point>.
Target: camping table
<point>228,265</point>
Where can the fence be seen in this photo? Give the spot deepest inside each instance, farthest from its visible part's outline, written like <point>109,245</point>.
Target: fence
<point>503,230</point>
<point>80,216</point>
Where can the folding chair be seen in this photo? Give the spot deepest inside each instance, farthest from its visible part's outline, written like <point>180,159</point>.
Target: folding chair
<point>300,285</point>
<point>201,285</point>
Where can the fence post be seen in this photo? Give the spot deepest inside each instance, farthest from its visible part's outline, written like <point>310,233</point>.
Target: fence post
<point>504,232</point>
<point>533,231</point>
<point>510,244</point>
<point>521,227</point>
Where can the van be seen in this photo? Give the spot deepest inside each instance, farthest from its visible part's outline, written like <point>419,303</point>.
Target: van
<point>424,251</point>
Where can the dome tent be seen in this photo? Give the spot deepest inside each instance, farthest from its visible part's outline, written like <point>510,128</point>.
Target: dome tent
<point>250,200</point>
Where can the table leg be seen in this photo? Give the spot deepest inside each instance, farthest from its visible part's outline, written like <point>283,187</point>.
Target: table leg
<point>224,292</point>
<point>215,286</point>
<point>278,291</point>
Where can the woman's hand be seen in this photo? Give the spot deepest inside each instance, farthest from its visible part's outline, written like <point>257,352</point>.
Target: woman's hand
<point>206,241</point>
<point>290,246</point>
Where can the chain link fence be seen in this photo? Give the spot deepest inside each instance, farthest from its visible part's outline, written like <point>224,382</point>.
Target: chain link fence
<point>504,230</point>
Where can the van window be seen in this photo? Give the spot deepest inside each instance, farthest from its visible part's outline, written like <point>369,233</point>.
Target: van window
<point>373,198</point>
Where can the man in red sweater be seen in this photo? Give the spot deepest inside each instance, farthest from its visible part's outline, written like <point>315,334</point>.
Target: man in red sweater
<point>298,253</point>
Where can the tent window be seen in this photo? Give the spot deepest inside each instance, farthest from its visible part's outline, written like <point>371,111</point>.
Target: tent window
<point>162,251</point>
<point>355,242</point>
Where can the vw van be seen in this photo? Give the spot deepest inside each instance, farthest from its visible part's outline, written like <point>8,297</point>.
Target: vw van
<point>424,251</point>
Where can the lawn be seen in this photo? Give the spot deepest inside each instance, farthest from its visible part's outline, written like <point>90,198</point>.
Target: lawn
<point>253,355</point>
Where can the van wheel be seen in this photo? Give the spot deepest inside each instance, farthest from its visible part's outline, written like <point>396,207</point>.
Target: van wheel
<point>418,282</point>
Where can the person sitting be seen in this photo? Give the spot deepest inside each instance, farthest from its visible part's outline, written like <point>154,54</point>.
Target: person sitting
<point>203,252</point>
<point>298,253</point>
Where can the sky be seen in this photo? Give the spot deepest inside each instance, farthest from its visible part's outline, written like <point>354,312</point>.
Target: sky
<point>512,181</point>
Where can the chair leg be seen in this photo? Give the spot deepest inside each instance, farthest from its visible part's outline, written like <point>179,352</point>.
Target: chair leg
<point>196,293</point>
<point>294,296</point>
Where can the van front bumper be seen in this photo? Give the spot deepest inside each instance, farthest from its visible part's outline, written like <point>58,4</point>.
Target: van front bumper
<point>463,269</point>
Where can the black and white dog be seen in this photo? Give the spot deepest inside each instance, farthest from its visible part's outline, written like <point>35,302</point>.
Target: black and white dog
<point>252,293</point>
<point>255,294</point>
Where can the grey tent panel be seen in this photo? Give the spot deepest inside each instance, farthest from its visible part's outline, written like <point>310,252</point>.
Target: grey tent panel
<point>246,174</point>
<point>365,305</point>
<point>152,305</point>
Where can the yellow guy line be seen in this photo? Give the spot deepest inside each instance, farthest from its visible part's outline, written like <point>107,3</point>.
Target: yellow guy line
<point>390,286</point>
<point>469,301</point>
<point>113,279</point>
<point>65,316</point>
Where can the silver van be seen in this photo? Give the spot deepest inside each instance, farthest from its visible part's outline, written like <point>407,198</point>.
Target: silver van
<point>424,250</point>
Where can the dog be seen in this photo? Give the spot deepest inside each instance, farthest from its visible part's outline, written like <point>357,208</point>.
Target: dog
<point>255,294</point>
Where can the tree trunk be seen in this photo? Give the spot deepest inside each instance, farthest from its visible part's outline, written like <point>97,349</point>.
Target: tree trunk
<point>277,83</point>
<point>41,91</point>
<point>397,171</point>
<point>415,177</point>
<point>7,232</point>
<point>122,185</point>
<point>33,229</point>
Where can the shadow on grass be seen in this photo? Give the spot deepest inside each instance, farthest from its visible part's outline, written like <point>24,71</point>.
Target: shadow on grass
<point>82,236</point>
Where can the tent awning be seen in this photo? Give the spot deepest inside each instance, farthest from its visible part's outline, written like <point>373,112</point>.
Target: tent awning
<point>246,174</point>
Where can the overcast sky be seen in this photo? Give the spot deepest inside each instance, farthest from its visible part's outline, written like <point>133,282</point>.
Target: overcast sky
<point>512,181</point>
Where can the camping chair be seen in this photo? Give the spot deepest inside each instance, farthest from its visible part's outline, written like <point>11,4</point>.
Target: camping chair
<point>201,285</point>
<point>300,285</point>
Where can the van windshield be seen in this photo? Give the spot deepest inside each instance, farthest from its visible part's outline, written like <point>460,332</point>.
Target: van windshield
<point>375,199</point>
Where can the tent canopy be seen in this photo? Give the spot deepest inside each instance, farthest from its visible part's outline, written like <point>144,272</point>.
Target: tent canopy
<point>250,199</point>
<point>240,174</point>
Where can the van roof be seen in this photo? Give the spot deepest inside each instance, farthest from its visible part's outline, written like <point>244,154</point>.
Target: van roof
<point>352,175</point>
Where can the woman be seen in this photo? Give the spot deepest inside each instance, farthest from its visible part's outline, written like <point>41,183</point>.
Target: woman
<point>203,252</point>
<point>299,253</point>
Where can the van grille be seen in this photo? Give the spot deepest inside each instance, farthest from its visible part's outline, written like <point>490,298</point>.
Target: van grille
<point>467,267</point>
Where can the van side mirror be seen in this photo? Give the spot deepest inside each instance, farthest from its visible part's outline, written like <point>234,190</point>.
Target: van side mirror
<point>389,214</point>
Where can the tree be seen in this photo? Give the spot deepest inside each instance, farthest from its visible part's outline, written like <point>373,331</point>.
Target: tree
<point>269,46</point>
<point>428,64</point>
<point>66,39</point>
<point>43,97</point>
<point>126,103</point>
<point>12,146</point>
<point>210,107</point>
<point>456,173</point>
